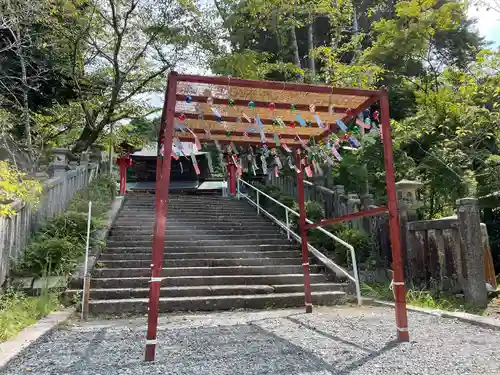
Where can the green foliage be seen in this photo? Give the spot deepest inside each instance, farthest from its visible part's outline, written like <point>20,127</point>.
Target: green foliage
<point>59,245</point>
<point>18,311</point>
<point>420,298</point>
<point>14,185</point>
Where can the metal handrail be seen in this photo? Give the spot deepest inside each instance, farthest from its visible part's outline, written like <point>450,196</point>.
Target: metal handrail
<point>290,233</point>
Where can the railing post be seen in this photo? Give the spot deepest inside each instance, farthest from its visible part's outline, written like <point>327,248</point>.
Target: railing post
<point>303,234</point>
<point>258,204</point>
<point>287,224</point>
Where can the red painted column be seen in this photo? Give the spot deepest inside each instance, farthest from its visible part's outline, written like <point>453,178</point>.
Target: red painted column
<point>123,163</point>
<point>231,175</point>
<point>161,211</point>
<point>394,230</point>
<point>303,233</point>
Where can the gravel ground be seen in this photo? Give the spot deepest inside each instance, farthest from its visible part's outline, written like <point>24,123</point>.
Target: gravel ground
<point>354,341</point>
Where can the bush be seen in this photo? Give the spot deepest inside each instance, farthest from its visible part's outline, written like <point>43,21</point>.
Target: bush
<point>362,243</point>
<point>60,244</point>
<point>51,256</point>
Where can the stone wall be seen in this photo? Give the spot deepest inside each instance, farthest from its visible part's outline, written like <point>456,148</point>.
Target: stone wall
<point>58,190</point>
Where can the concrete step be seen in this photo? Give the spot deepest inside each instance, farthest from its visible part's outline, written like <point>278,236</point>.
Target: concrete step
<point>206,255</point>
<point>222,262</point>
<point>188,231</point>
<point>215,290</point>
<point>210,303</point>
<point>184,221</point>
<point>197,226</point>
<point>114,243</point>
<point>143,282</point>
<point>189,248</point>
<point>193,236</point>
<point>203,271</point>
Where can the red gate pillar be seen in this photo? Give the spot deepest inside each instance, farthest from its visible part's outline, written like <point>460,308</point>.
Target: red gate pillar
<point>123,162</point>
<point>231,175</point>
<point>394,231</point>
<point>303,233</point>
<point>161,211</point>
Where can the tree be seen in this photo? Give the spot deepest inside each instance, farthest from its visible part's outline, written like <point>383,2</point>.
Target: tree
<point>128,45</point>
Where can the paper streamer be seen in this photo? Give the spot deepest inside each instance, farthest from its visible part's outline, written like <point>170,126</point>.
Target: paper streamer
<point>331,109</point>
<point>354,142</point>
<point>195,164</point>
<point>300,120</point>
<point>303,143</point>
<point>308,171</point>
<point>276,140</point>
<point>180,127</point>
<point>245,116</point>
<point>276,172</point>
<point>182,168</point>
<point>196,140</point>
<point>278,162</point>
<point>362,124</point>
<point>341,125</point>
<point>336,153</point>
<point>174,155</point>
<point>209,161</point>
<point>281,123</point>
<point>318,121</point>
<point>217,144</point>
<point>208,134</point>
<point>259,122</point>
<point>215,112</point>
<point>262,136</point>
<point>233,147</point>
<point>286,148</point>
<point>264,164</point>
<point>290,162</point>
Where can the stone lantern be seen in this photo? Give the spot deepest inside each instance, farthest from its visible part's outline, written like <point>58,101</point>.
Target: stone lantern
<point>60,161</point>
<point>408,197</point>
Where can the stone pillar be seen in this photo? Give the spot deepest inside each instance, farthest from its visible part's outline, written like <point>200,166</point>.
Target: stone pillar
<point>366,222</point>
<point>472,254</point>
<point>408,204</point>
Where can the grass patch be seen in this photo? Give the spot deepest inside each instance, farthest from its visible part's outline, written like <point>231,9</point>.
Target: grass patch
<point>17,310</point>
<point>421,298</point>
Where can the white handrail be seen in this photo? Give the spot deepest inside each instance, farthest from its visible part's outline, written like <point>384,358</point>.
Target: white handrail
<point>318,254</point>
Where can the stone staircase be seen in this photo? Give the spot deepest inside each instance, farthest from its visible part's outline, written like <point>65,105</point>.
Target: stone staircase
<point>219,255</point>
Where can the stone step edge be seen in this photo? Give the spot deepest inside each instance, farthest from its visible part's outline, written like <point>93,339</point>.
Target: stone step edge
<point>204,298</point>
<point>200,260</point>
<point>218,287</point>
<point>146,278</point>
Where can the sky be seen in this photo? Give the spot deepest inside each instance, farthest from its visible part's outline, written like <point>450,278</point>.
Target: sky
<point>488,23</point>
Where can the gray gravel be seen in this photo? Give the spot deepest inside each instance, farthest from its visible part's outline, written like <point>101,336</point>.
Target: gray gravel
<point>352,341</point>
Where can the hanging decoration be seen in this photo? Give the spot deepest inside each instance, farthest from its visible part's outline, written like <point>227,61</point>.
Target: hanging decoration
<point>230,102</point>
<point>182,117</point>
<point>308,171</point>
<point>341,125</point>
<point>182,167</point>
<point>209,162</point>
<point>285,147</point>
<point>208,134</point>
<point>195,163</point>
<point>331,109</point>
<point>263,164</point>
<point>293,107</point>
<point>272,106</point>
<point>318,121</point>
<point>210,101</point>
<point>189,99</point>
<point>277,140</point>
<point>251,105</point>
<point>300,120</point>
<point>196,140</point>
<point>290,162</point>
<point>312,108</point>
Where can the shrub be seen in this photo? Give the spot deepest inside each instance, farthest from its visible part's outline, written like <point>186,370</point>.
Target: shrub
<point>60,243</point>
<point>362,243</point>
<point>50,256</point>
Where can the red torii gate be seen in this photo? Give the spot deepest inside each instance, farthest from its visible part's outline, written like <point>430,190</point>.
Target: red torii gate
<point>292,138</point>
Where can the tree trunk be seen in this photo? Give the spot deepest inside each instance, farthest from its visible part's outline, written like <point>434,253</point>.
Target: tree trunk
<point>87,138</point>
<point>276,33</point>
<point>295,47</point>
<point>26,107</point>
<point>310,48</point>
